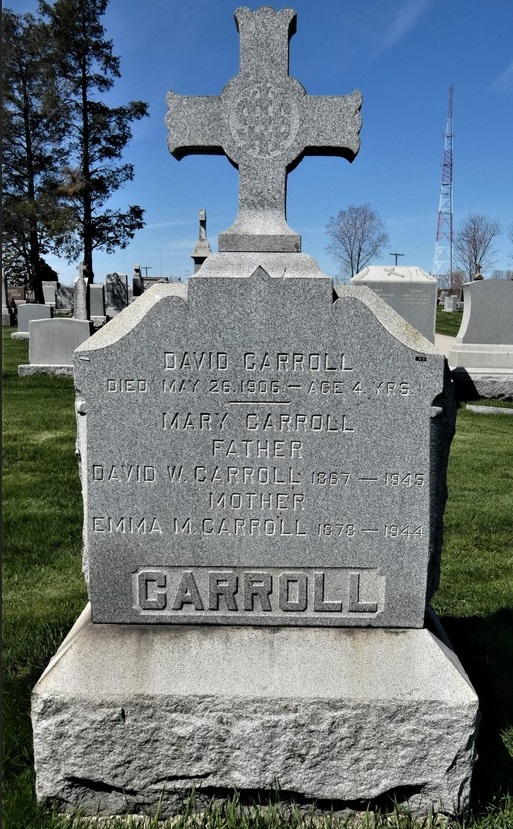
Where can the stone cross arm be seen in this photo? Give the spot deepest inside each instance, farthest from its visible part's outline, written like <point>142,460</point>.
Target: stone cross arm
<point>195,125</point>
<point>265,122</point>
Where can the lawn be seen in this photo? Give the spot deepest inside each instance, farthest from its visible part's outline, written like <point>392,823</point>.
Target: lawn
<point>43,591</point>
<point>447,323</point>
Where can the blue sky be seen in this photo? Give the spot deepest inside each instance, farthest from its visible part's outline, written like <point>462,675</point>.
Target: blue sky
<point>402,54</point>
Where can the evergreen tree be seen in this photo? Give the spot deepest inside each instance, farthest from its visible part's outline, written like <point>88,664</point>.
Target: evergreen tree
<point>32,150</point>
<point>98,134</point>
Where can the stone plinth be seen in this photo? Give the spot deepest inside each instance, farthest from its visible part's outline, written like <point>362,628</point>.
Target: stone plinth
<point>129,718</point>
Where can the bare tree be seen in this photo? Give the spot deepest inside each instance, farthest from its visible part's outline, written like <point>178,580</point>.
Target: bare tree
<point>357,235</point>
<point>473,245</point>
<point>502,274</point>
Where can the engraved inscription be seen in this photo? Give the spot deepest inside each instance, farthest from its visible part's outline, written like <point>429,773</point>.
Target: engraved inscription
<point>126,525</point>
<point>127,386</point>
<point>276,592</point>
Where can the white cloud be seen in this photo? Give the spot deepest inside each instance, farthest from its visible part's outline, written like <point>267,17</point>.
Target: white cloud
<point>404,20</point>
<point>504,81</point>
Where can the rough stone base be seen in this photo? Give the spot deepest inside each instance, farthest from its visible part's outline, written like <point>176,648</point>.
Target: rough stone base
<point>29,369</point>
<point>126,717</point>
<point>472,383</point>
<point>20,335</point>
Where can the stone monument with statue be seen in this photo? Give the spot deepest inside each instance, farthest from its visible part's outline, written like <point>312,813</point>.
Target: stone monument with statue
<point>263,467</point>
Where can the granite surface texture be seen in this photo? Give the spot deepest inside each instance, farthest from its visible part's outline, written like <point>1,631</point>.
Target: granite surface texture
<point>394,714</point>
<point>255,453</point>
<point>264,122</point>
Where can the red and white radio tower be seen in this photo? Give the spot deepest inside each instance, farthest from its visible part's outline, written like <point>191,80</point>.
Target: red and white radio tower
<point>442,266</point>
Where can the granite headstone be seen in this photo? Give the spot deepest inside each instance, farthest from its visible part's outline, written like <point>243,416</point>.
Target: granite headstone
<point>49,292</point>
<point>51,346</point>
<point>408,290</point>
<point>26,313</point>
<point>116,293</point>
<point>255,449</point>
<point>481,358</point>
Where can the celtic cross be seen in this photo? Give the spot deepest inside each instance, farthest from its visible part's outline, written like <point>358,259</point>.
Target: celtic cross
<point>265,123</point>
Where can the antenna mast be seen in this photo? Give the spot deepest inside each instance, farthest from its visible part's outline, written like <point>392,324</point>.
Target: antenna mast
<point>442,266</point>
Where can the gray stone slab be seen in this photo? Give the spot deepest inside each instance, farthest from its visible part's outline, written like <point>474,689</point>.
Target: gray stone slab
<point>264,122</point>
<point>253,452</point>
<point>451,304</point>
<point>490,410</point>
<point>97,300</point>
<point>116,293</point>
<point>49,292</point>
<point>487,313</point>
<point>31,311</point>
<point>338,715</point>
<point>52,342</point>
<point>410,291</point>
<point>481,357</point>
<point>64,297</point>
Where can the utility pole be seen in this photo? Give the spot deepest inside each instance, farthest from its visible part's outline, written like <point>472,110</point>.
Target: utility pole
<point>396,256</point>
<point>443,262</point>
<point>146,268</point>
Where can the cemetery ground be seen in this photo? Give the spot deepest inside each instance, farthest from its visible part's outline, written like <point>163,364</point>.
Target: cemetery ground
<point>447,323</point>
<point>44,592</point>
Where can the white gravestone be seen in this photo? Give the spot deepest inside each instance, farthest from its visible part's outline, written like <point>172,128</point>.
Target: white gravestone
<point>451,304</point>
<point>263,470</point>
<point>51,346</point>
<point>49,293</point>
<point>26,313</point>
<point>408,290</point>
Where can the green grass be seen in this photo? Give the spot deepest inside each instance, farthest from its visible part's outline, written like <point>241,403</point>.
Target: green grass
<point>447,323</point>
<point>43,593</point>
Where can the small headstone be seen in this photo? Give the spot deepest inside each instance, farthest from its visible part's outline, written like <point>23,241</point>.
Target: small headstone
<point>64,299</point>
<point>6,314</point>
<point>451,304</point>
<point>26,313</point>
<point>17,293</point>
<point>116,293</point>
<point>49,292</point>
<point>408,290</point>
<point>51,346</point>
<point>97,300</point>
<point>137,284</point>
<point>481,357</point>
<point>149,281</point>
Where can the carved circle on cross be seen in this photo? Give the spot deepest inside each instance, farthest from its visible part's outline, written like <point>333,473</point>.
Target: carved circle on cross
<point>264,120</point>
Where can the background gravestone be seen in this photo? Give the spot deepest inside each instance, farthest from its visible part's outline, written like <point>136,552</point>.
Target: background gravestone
<point>97,302</point>
<point>26,313</point>
<point>255,449</point>
<point>481,358</point>
<point>51,346</point>
<point>64,299</point>
<point>49,293</point>
<point>116,293</point>
<point>410,291</point>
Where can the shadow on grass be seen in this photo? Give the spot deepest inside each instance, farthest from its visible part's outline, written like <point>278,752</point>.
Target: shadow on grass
<point>485,649</point>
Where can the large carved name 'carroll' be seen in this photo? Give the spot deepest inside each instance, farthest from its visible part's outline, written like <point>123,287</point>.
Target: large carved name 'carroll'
<point>264,591</point>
